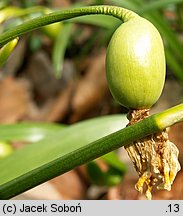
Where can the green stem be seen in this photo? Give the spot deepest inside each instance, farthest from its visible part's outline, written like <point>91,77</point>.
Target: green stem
<point>118,12</point>
<point>63,162</point>
<point>169,117</point>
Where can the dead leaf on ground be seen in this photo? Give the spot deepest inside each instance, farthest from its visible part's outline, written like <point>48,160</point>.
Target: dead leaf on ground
<point>124,191</point>
<point>40,74</point>
<point>169,98</point>
<point>14,99</point>
<point>83,96</point>
<point>70,185</point>
<point>61,4</point>
<point>176,136</point>
<point>60,106</point>
<point>91,89</point>
<point>45,191</point>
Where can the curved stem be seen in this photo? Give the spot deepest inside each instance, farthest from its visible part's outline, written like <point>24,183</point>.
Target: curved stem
<point>32,24</point>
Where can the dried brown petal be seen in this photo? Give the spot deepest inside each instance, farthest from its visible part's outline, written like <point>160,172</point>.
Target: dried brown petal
<point>155,158</point>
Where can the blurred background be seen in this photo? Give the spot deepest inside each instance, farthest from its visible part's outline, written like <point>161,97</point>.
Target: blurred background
<point>57,74</point>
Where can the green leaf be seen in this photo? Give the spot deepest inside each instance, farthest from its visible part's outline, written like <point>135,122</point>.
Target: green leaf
<point>6,51</point>
<point>60,48</point>
<point>112,159</point>
<point>98,177</point>
<point>126,4</point>
<point>31,132</point>
<point>155,5</point>
<point>95,174</point>
<point>4,3</point>
<point>35,43</point>
<point>111,177</point>
<point>73,146</point>
<point>5,149</point>
<point>173,44</point>
<point>13,12</point>
<point>174,64</point>
<point>31,165</point>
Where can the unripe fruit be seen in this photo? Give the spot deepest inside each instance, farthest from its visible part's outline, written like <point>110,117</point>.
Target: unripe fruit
<point>135,64</point>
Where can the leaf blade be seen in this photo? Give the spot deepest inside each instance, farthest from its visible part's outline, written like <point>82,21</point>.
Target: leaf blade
<point>30,170</point>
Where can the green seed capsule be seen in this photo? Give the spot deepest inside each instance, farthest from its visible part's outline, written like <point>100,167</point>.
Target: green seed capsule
<point>135,64</point>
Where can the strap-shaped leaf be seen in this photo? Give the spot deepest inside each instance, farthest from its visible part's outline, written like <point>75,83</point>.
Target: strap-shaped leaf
<point>30,166</point>
<point>73,146</point>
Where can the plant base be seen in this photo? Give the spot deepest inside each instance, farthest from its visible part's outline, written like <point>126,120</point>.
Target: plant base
<point>155,158</point>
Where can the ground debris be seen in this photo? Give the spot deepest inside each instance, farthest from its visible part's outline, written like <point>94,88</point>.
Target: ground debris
<point>14,99</point>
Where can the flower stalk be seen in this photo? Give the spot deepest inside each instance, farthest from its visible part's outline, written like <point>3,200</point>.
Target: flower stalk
<point>32,24</point>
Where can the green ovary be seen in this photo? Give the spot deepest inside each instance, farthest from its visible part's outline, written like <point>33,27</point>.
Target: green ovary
<point>135,64</point>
